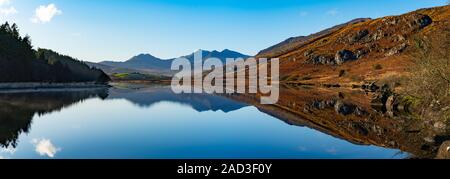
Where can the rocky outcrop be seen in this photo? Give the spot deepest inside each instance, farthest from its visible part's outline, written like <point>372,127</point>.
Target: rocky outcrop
<point>418,21</point>
<point>343,56</point>
<point>341,107</point>
<point>360,53</point>
<point>370,87</point>
<point>358,36</point>
<point>387,102</point>
<point>320,59</point>
<point>384,37</point>
<point>396,50</point>
<point>339,58</point>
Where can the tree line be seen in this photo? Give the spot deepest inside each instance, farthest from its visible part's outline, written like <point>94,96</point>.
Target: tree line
<point>19,62</point>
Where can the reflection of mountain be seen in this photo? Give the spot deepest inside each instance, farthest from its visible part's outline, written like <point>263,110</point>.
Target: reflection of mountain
<point>149,95</point>
<point>341,113</point>
<point>17,109</point>
<point>348,115</point>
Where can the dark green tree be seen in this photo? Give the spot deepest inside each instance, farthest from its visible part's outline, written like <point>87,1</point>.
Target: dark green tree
<point>19,62</point>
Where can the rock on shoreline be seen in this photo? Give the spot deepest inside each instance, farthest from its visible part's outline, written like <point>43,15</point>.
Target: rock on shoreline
<point>444,151</point>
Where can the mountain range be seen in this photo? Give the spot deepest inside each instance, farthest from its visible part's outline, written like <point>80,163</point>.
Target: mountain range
<point>149,64</point>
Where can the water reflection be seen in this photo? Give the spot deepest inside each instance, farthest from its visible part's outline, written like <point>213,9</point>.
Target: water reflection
<point>232,126</point>
<point>349,115</point>
<point>45,147</point>
<point>146,96</point>
<point>17,109</point>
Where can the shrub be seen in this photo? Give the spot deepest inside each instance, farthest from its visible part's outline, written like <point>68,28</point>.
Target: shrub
<point>342,73</point>
<point>356,78</point>
<point>430,80</point>
<point>378,67</point>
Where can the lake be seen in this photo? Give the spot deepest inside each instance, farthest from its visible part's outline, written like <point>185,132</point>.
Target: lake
<point>150,122</point>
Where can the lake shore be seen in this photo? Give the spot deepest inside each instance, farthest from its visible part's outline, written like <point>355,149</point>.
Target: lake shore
<point>45,85</point>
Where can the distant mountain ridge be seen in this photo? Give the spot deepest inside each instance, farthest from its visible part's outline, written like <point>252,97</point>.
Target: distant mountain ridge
<point>147,63</point>
<point>141,62</point>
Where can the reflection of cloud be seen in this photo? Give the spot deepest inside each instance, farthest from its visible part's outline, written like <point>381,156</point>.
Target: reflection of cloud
<point>332,151</point>
<point>45,147</point>
<point>303,149</point>
<point>9,150</point>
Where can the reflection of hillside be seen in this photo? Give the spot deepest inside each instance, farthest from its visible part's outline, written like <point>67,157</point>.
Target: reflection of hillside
<point>150,95</point>
<point>18,108</point>
<point>348,115</point>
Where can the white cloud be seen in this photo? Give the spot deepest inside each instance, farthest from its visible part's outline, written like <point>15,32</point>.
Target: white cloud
<point>45,147</point>
<point>333,12</point>
<point>4,12</point>
<point>4,2</point>
<point>7,11</point>
<point>76,34</point>
<point>44,14</point>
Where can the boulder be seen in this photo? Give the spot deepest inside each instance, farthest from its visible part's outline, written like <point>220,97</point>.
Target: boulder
<point>444,151</point>
<point>370,87</point>
<point>358,36</point>
<point>344,109</point>
<point>344,56</point>
<point>390,105</point>
<point>400,38</point>
<point>440,125</point>
<point>396,50</point>
<point>323,60</point>
<point>360,53</point>
<point>308,53</point>
<point>378,35</point>
<point>359,128</point>
<point>419,21</point>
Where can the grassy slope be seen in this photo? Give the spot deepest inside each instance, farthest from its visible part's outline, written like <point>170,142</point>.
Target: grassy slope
<point>376,65</point>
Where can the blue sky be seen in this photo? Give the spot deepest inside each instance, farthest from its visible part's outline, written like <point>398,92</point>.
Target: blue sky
<point>97,30</point>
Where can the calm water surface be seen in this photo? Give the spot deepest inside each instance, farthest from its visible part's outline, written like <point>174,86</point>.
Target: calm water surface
<point>152,123</point>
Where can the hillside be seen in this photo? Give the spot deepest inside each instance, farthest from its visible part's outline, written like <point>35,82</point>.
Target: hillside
<point>19,62</point>
<point>139,77</point>
<point>362,51</point>
<point>112,70</point>
<point>293,42</point>
<point>79,70</point>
